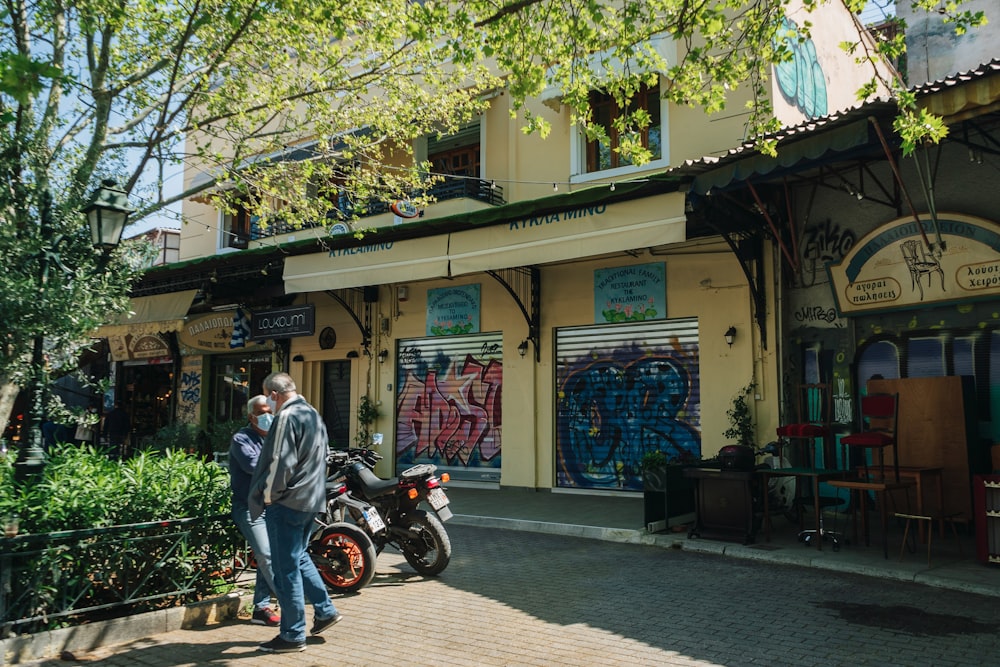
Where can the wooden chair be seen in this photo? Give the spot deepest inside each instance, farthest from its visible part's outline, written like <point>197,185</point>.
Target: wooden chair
<point>814,458</point>
<point>879,421</point>
<point>813,420</point>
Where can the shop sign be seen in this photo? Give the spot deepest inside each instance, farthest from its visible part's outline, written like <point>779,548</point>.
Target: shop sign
<point>209,333</point>
<point>453,310</point>
<point>283,322</point>
<point>150,348</point>
<point>892,268</point>
<point>630,293</point>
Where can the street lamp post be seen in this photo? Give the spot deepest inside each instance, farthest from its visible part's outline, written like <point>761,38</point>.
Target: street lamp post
<point>107,212</point>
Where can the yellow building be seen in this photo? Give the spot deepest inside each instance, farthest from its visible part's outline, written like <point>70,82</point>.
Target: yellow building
<point>553,316</point>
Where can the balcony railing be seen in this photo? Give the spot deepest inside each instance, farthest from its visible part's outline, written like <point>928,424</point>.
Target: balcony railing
<point>462,188</point>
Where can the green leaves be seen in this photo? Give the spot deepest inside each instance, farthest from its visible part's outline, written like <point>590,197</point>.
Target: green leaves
<point>80,487</point>
<point>22,77</point>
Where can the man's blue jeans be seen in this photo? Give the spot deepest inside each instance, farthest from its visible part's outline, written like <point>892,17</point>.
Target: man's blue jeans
<point>295,577</point>
<point>255,533</point>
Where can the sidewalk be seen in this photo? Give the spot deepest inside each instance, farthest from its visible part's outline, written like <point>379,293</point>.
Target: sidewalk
<point>619,518</point>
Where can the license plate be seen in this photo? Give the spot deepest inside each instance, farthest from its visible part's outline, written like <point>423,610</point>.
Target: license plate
<point>374,520</point>
<point>437,498</point>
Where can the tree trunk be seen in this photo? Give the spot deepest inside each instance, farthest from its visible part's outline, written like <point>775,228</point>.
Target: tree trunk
<point>8,394</point>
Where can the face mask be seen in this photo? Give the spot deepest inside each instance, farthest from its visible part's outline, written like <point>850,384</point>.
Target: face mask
<point>271,403</point>
<point>264,421</point>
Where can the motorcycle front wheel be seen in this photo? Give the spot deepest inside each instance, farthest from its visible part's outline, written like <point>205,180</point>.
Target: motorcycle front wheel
<point>426,547</point>
<point>345,557</point>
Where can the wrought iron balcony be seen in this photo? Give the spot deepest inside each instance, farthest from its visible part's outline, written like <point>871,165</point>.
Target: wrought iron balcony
<point>463,188</point>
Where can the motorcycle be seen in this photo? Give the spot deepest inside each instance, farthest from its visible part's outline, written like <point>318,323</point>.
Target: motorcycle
<point>419,535</point>
<point>343,553</point>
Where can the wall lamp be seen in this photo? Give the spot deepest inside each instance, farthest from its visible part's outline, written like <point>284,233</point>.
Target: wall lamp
<point>730,335</point>
<point>522,349</point>
<point>382,356</point>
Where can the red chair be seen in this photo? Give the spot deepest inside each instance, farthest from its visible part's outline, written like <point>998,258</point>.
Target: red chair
<point>879,420</point>
<point>814,414</point>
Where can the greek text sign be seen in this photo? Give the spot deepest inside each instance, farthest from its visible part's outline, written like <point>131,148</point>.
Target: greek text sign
<point>893,268</point>
<point>630,293</point>
<point>283,322</point>
<point>453,310</point>
<point>209,333</point>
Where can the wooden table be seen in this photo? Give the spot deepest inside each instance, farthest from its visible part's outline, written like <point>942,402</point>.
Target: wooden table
<point>815,475</point>
<point>861,489</point>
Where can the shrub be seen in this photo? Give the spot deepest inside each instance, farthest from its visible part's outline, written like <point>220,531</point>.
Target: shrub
<point>80,487</point>
<point>76,577</point>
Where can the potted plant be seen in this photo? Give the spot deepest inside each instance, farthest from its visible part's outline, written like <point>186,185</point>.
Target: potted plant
<point>668,496</point>
<point>741,429</point>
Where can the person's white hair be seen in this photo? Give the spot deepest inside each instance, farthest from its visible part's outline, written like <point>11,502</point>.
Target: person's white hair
<point>256,400</point>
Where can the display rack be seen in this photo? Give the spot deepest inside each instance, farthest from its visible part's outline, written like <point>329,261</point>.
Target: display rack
<point>986,491</point>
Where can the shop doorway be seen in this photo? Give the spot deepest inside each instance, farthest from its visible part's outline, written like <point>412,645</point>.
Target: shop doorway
<point>624,390</point>
<point>448,404</point>
<point>337,402</point>
<point>146,397</point>
<point>234,379</point>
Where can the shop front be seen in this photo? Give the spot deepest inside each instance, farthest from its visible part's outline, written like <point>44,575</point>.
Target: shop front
<point>218,379</point>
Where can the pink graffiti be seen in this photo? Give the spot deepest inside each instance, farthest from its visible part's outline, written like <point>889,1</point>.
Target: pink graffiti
<point>452,414</point>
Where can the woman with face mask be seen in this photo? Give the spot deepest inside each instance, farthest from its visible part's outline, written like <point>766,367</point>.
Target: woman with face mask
<point>243,454</point>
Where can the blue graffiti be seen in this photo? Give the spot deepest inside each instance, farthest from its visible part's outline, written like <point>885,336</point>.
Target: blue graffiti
<point>612,411</point>
<point>800,78</point>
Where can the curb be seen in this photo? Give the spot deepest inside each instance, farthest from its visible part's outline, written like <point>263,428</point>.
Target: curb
<point>83,638</point>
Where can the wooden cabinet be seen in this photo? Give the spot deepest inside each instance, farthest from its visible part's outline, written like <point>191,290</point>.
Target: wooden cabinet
<point>937,429</point>
<point>723,504</point>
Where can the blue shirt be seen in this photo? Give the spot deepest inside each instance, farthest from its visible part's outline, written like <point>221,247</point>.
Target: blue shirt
<point>244,451</point>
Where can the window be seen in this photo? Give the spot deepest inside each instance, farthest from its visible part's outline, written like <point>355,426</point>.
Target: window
<point>456,154</point>
<point>601,156</point>
<point>236,228</point>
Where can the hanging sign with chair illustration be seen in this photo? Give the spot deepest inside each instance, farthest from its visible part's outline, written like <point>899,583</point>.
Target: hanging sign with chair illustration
<point>905,263</point>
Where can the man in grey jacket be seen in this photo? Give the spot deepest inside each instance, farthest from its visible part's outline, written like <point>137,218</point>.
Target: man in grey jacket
<point>290,481</point>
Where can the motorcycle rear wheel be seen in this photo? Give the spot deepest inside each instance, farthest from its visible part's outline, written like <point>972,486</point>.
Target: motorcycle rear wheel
<point>428,549</point>
<point>345,557</point>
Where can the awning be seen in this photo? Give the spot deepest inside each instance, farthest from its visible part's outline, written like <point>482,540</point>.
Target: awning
<point>814,147</point>
<point>151,314</point>
<point>570,234</point>
<point>375,264</point>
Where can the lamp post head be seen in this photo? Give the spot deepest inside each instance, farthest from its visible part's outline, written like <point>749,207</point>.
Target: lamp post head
<point>107,212</point>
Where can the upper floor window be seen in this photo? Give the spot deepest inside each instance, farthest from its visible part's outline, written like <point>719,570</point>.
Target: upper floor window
<point>607,113</point>
<point>237,227</point>
<point>456,154</point>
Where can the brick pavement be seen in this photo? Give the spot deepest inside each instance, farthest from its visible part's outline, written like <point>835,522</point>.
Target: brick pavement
<point>522,598</point>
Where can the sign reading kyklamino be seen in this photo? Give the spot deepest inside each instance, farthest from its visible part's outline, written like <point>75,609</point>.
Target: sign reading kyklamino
<point>630,293</point>
<point>283,322</point>
<point>892,268</point>
<point>453,310</point>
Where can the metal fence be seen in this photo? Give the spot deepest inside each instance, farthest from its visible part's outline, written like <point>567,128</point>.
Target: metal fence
<point>484,191</point>
<point>58,579</point>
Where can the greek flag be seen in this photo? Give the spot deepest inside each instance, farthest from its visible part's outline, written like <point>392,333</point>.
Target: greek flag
<point>241,329</point>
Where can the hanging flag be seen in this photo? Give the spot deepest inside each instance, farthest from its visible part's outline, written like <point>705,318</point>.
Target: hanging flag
<point>241,329</point>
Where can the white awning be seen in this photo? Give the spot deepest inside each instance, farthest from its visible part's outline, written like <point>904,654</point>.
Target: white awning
<point>375,264</point>
<point>570,234</point>
<point>159,313</point>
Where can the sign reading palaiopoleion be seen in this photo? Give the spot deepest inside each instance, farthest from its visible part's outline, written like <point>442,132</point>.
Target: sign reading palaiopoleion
<point>904,265</point>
